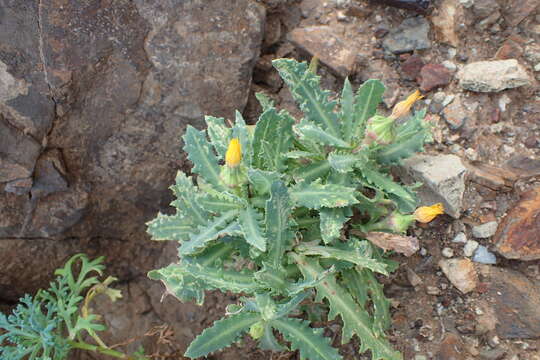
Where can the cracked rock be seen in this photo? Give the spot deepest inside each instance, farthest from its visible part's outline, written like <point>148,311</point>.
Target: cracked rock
<point>412,34</point>
<point>443,179</point>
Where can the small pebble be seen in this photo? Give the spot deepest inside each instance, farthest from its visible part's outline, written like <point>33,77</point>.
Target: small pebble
<point>449,65</point>
<point>485,230</point>
<point>470,247</point>
<point>483,256</point>
<point>433,290</point>
<point>460,238</point>
<point>494,341</point>
<point>447,252</point>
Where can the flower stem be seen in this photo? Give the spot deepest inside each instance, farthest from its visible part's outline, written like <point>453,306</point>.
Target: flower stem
<point>96,348</point>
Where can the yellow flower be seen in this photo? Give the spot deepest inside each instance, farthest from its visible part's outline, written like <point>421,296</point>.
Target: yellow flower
<point>403,107</point>
<point>425,214</point>
<point>234,153</point>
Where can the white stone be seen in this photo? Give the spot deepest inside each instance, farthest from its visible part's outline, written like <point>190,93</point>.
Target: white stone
<point>460,238</point>
<point>485,230</point>
<point>461,273</point>
<point>493,76</point>
<point>503,101</point>
<point>449,65</point>
<point>447,252</point>
<point>469,248</point>
<point>443,179</point>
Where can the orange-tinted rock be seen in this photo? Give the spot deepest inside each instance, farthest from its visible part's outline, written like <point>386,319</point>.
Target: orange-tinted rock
<point>451,348</point>
<point>518,236</point>
<point>510,49</point>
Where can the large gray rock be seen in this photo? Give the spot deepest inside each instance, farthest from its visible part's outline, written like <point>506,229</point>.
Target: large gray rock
<point>443,179</point>
<point>94,97</point>
<point>493,76</point>
<point>411,34</point>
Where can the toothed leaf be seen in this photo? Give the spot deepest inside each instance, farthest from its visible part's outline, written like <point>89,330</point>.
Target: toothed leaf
<point>216,227</point>
<point>276,130</point>
<point>316,195</point>
<point>219,134</point>
<point>200,153</point>
<point>249,222</point>
<point>278,209</point>
<point>312,132</point>
<point>170,227</point>
<point>368,97</point>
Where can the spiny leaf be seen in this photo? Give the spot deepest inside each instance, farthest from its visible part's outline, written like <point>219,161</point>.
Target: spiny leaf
<point>345,163</point>
<point>332,220</point>
<point>368,97</point>
<point>311,342</point>
<point>402,196</point>
<point>347,110</point>
<point>219,134</point>
<point>187,200</point>
<point>313,171</point>
<point>265,101</point>
<point>220,202</point>
<point>222,334</point>
<point>381,305</point>
<point>205,162</point>
<point>249,222</point>
<point>216,227</point>
<point>268,341</point>
<point>355,319</point>
<point>358,255</point>
<point>278,210</point>
<point>312,132</point>
<point>170,227</point>
<point>262,180</point>
<point>275,129</point>
<point>304,87</point>
<point>316,195</point>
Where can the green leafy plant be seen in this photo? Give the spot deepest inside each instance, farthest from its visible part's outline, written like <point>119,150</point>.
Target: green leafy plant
<point>53,322</point>
<point>278,213</point>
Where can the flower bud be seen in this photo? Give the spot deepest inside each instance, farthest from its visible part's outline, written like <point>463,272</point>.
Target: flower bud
<point>379,129</point>
<point>402,108</point>
<point>425,214</point>
<point>234,153</point>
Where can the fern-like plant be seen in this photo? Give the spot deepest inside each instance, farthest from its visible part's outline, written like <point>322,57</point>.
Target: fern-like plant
<point>53,322</point>
<point>278,213</point>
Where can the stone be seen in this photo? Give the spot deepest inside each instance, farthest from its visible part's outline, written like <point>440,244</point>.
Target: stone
<point>470,247</point>
<point>484,8</point>
<point>493,76</point>
<point>523,166</point>
<point>514,13</point>
<point>447,252</point>
<point>457,113</point>
<point>485,230</point>
<point>483,256</point>
<point>433,76</point>
<point>444,22</point>
<point>492,177</point>
<point>510,303</point>
<point>510,49</point>
<point>325,44</point>
<point>492,354</point>
<point>49,174</point>
<point>517,235</point>
<point>272,31</point>
<point>19,186</point>
<point>443,179</point>
<point>412,66</point>
<point>451,348</point>
<point>460,238</point>
<point>450,65</point>
<point>412,34</point>
<point>413,277</point>
<point>461,273</point>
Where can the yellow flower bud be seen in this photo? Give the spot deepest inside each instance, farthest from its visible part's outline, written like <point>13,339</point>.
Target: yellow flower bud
<point>402,108</point>
<point>425,214</point>
<point>234,153</point>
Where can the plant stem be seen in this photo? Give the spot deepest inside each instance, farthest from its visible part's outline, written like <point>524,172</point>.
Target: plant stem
<point>96,348</point>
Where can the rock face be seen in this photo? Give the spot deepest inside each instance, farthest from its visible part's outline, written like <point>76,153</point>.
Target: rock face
<point>93,99</point>
<point>517,236</point>
<point>443,178</point>
<point>493,76</point>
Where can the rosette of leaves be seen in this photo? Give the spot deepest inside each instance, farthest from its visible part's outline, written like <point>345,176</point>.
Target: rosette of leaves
<point>275,225</point>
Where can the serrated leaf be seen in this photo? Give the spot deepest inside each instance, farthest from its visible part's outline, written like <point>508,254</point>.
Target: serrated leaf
<point>358,255</point>
<point>278,209</point>
<point>262,180</point>
<point>313,171</point>
<point>312,132</point>
<point>222,334</point>
<point>219,134</point>
<point>297,154</point>
<point>404,197</point>
<point>170,227</point>
<point>356,285</point>
<point>332,220</point>
<point>316,195</point>
<point>311,342</point>
<point>355,319</point>
<point>368,97</point>
<point>249,223</point>
<point>187,200</point>
<point>268,341</point>
<point>304,87</point>
<point>275,129</point>
<point>381,305</point>
<point>345,163</point>
<point>265,101</point>
<point>220,202</point>
<point>205,162</point>
<point>347,110</point>
<point>216,227</point>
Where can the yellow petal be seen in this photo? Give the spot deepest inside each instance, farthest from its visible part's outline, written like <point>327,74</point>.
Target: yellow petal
<point>403,107</point>
<point>234,153</point>
<point>425,214</point>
